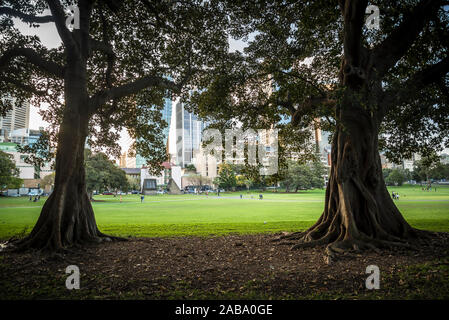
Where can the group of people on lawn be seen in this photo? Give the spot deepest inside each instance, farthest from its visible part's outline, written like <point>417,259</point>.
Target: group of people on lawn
<point>395,195</point>
<point>36,198</point>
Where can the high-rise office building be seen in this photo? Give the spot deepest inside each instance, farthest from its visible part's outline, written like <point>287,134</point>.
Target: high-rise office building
<point>17,118</point>
<point>166,116</point>
<point>188,135</point>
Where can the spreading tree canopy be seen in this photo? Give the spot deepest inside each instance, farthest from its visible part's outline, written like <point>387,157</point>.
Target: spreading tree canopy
<point>102,174</point>
<point>304,176</point>
<point>226,178</point>
<point>322,63</point>
<point>116,63</point>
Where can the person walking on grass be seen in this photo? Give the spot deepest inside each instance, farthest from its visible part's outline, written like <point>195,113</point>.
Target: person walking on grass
<point>141,198</point>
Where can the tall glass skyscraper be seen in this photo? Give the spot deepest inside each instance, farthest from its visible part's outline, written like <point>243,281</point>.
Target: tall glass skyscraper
<point>166,116</point>
<point>188,135</point>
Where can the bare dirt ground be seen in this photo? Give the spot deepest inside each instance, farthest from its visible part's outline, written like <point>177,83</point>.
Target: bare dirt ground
<point>227,267</point>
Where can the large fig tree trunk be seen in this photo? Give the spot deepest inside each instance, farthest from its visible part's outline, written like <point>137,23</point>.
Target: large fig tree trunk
<point>359,213</point>
<point>67,217</point>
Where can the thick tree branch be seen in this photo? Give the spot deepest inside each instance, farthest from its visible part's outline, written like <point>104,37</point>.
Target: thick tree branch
<point>432,74</point>
<point>127,89</point>
<point>25,87</point>
<point>354,18</point>
<point>25,17</point>
<point>387,53</point>
<point>60,22</point>
<point>287,104</point>
<point>34,58</point>
<point>83,33</point>
<point>309,105</point>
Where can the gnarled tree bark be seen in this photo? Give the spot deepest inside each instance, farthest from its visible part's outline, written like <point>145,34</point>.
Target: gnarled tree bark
<point>359,212</point>
<point>67,217</point>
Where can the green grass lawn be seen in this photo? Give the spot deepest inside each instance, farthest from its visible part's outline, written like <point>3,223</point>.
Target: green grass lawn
<point>175,215</point>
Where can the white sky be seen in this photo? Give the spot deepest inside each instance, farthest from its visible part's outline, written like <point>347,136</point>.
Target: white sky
<point>50,38</point>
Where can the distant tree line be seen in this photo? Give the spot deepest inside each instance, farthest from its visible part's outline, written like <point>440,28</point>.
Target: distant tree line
<point>423,171</point>
<point>304,176</point>
<point>295,176</point>
<point>434,171</point>
<point>397,176</point>
<point>103,175</point>
<point>9,173</point>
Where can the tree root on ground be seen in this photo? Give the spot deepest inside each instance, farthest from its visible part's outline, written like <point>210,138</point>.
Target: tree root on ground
<point>338,244</point>
<point>20,245</point>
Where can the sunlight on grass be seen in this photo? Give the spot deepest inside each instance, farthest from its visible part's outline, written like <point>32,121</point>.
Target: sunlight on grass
<point>175,215</point>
